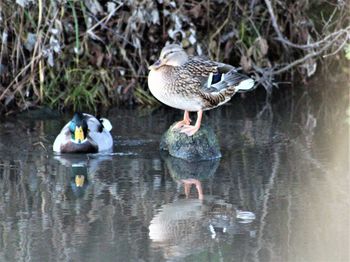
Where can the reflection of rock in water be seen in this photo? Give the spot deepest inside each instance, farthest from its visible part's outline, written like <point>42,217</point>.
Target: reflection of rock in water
<point>201,146</point>
<point>182,169</point>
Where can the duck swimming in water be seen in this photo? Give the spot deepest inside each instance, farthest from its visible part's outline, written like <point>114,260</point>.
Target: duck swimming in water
<point>193,84</point>
<point>84,134</point>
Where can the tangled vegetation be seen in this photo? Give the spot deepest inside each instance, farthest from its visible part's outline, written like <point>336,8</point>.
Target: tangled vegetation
<point>87,54</point>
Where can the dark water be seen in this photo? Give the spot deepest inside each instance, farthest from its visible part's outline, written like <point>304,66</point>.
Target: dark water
<point>287,163</point>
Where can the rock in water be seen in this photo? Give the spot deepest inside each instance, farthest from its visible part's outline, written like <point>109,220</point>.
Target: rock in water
<point>203,145</point>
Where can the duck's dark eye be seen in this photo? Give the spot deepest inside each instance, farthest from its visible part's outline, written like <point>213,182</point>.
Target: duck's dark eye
<point>168,54</point>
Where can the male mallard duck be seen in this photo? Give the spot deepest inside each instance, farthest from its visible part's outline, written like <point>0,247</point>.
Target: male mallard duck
<point>84,134</point>
<point>193,84</point>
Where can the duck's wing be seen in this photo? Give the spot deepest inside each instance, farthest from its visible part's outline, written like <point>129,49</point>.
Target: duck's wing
<point>97,124</point>
<point>99,131</point>
<point>215,82</point>
<point>63,137</point>
<point>192,76</point>
<point>94,125</point>
<point>210,76</point>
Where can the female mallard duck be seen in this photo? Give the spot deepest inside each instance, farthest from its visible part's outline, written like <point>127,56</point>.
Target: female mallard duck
<point>84,134</point>
<point>193,84</point>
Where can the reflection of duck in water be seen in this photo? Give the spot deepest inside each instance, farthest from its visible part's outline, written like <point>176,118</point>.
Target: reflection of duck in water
<point>79,179</point>
<point>82,169</point>
<point>84,134</point>
<point>187,226</point>
<point>191,173</point>
<point>168,220</point>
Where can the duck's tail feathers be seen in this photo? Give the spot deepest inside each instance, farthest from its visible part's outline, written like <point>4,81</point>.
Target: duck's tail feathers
<point>245,86</point>
<point>242,83</point>
<point>106,124</point>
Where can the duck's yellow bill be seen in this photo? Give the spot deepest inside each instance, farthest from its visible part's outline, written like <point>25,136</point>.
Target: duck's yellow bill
<point>79,180</point>
<point>79,134</point>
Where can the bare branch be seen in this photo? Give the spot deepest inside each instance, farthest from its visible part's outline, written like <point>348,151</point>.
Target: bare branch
<point>273,18</point>
<point>282,39</point>
<point>308,56</point>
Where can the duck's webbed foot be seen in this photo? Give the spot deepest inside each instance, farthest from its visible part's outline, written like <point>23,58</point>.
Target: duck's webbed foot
<point>184,122</point>
<point>191,130</point>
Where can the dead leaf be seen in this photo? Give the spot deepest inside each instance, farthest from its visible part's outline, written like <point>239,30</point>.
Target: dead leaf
<point>155,16</point>
<point>94,6</point>
<point>228,48</point>
<point>246,63</point>
<point>251,51</point>
<point>196,11</point>
<point>310,66</point>
<point>30,42</point>
<point>263,46</point>
<point>8,99</point>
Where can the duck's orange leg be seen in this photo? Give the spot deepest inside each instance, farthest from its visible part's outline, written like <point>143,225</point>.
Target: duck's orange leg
<point>185,121</point>
<point>191,130</point>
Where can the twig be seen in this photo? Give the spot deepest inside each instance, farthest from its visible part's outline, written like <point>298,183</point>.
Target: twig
<point>308,56</point>
<point>328,41</point>
<point>336,51</point>
<point>105,19</point>
<point>273,19</point>
<point>103,25</point>
<point>220,28</point>
<point>282,39</point>
<point>19,74</point>
<point>318,43</point>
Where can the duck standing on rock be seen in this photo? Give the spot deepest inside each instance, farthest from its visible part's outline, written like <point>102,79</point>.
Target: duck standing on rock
<point>84,134</point>
<point>193,84</point>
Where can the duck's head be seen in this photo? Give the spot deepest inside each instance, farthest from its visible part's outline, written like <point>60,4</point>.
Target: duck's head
<point>78,128</point>
<point>171,55</point>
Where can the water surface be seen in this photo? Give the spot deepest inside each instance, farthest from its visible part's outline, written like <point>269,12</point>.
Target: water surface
<point>287,163</point>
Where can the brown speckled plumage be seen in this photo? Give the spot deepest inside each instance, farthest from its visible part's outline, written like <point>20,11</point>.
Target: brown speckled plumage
<point>190,80</point>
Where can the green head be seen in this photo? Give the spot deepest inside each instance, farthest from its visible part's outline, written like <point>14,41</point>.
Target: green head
<point>78,128</point>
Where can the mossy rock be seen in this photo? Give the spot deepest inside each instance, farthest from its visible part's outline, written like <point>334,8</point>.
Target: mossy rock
<point>183,169</point>
<point>203,145</point>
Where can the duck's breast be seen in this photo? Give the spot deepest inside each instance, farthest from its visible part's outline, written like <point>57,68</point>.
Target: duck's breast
<point>158,85</point>
<point>86,147</point>
<point>166,90</point>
